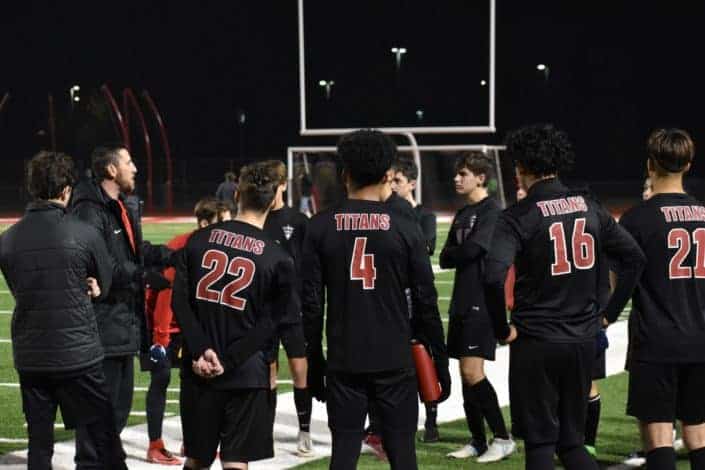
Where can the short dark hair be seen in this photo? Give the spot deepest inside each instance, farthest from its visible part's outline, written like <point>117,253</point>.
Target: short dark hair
<point>257,186</point>
<point>477,162</point>
<point>366,155</point>
<point>104,155</point>
<point>48,173</point>
<point>540,149</point>
<point>671,150</point>
<point>407,167</point>
<point>206,209</point>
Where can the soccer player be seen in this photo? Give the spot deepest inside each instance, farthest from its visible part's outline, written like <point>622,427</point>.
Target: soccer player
<point>288,227</point>
<point>232,284</point>
<point>361,255</point>
<point>667,361</point>
<point>165,352</point>
<point>470,336</point>
<point>404,184</point>
<point>556,239</point>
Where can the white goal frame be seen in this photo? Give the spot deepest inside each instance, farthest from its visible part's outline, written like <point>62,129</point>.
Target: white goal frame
<point>415,151</point>
<point>489,128</point>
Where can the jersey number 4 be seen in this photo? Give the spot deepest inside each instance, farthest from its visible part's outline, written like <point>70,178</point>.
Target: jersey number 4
<point>583,247</point>
<point>217,262</point>
<point>362,265</point>
<point>679,238</point>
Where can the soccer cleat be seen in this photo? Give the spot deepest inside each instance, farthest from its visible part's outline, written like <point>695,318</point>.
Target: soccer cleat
<point>430,435</point>
<point>635,459</point>
<point>469,450</point>
<point>498,450</point>
<point>304,448</point>
<point>677,442</point>
<point>162,456</point>
<point>374,442</point>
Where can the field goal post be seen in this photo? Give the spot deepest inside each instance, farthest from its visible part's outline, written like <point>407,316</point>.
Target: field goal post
<point>298,159</point>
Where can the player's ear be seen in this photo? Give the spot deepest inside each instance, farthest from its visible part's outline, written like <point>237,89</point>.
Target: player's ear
<point>483,179</point>
<point>650,166</point>
<point>388,176</point>
<point>112,170</point>
<point>412,183</point>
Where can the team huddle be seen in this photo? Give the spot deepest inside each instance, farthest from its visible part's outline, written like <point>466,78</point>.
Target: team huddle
<point>346,293</point>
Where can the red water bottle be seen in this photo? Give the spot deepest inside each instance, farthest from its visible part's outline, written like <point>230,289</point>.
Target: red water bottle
<point>426,374</point>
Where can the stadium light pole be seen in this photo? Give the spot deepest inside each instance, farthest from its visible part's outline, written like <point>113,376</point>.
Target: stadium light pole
<point>327,85</point>
<point>545,69</point>
<point>398,54</point>
<point>74,94</point>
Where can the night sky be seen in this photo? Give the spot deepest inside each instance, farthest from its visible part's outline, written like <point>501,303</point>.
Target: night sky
<point>617,70</point>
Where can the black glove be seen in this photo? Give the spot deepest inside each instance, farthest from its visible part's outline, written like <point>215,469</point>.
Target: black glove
<point>443,378</point>
<point>316,378</point>
<point>155,281</point>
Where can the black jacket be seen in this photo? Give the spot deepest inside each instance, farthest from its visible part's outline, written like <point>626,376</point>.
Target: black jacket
<point>46,258</point>
<point>119,315</point>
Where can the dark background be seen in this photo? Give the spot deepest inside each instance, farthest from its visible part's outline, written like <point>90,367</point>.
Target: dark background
<point>617,70</point>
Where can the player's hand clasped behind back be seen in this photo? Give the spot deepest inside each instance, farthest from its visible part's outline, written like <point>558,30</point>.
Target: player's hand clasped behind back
<point>208,365</point>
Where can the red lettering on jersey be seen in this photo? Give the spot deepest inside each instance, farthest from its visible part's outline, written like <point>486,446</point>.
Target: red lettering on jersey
<point>374,221</point>
<point>542,205</point>
<point>384,222</point>
<point>666,213</point>
<point>339,222</point>
<point>247,245</point>
<point>364,222</point>
<point>237,243</point>
<point>355,219</point>
<point>228,239</point>
<point>258,247</point>
<point>217,236</point>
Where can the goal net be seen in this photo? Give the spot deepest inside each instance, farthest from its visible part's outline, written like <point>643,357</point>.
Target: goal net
<point>315,182</point>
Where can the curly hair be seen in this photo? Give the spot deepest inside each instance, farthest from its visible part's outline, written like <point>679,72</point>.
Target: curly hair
<point>48,173</point>
<point>670,149</point>
<point>257,186</point>
<point>366,155</point>
<point>540,149</point>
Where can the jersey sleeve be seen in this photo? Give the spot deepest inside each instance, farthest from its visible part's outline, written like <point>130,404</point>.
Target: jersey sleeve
<point>162,312</point>
<point>426,320</point>
<point>619,245</point>
<point>428,226</point>
<point>476,245</point>
<point>101,269</point>
<point>312,293</point>
<point>506,244</point>
<point>181,305</point>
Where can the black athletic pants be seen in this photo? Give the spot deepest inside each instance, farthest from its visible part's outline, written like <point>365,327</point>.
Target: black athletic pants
<point>84,402</point>
<point>160,376</point>
<point>119,377</point>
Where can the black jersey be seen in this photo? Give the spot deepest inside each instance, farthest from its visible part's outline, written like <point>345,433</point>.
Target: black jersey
<point>427,220</point>
<point>668,323</point>
<point>558,240</point>
<point>288,227</point>
<point>469,239</point>
<point>364,255</point>
<point>233,284</point>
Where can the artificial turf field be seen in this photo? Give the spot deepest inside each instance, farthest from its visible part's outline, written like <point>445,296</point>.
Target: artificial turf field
<point>617,436</point>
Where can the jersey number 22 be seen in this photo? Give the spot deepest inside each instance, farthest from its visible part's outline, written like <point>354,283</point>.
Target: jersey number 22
<point>217,262</point>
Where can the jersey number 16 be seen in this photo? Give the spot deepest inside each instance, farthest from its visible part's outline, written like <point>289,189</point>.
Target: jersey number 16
<point>583,247</point>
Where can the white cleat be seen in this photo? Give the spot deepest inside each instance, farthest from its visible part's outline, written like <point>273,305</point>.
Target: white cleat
<point>635,459</point>
<point>304,448</point>
<point>464,452</point>
<point>498,450</point>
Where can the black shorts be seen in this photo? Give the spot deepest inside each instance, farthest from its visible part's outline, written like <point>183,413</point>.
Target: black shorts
<point>292,338</point>
<point>599,366</point>
<point>471,336</point>
<point>394,393</point>
<point>238,420</point>
<point>549,385</point>
<point>660,393</point>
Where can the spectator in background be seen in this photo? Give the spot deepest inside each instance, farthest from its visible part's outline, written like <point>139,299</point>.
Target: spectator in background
<point>101,202</point>
<point>226,189</point>
<point>54,264</point>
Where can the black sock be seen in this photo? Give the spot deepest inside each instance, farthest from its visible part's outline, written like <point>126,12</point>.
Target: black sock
<point>473,416</point>
<point>485,396</point>
<point>302,401</point>
<point>540,457</point>
<point>593,420</point>
<point>697,459</point>
<point>661,458</point>
<point>431,415</point>
<point>576,458</point>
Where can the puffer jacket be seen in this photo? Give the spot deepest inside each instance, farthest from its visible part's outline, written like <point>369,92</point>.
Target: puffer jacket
<point>46,258</point>
<point>119,314</point>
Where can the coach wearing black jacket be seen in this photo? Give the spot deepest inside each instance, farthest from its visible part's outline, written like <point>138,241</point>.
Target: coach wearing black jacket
<point>53,264</point>
<point>102,203</point>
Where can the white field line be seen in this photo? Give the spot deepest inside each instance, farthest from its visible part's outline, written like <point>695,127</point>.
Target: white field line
<point>5,312</point>
<point>12,440</point>
<point>5,340</point>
